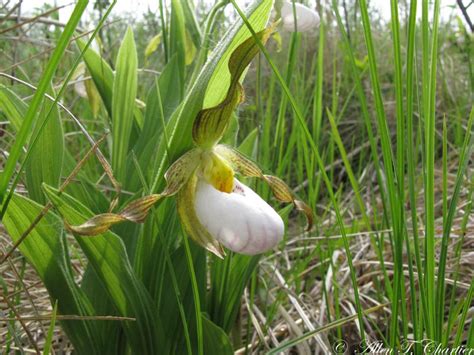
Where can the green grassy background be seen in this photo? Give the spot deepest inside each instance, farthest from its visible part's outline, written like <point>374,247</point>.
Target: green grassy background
<point>368,119</point>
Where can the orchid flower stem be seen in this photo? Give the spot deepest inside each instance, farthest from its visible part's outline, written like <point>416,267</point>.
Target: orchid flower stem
<point>197,301</point>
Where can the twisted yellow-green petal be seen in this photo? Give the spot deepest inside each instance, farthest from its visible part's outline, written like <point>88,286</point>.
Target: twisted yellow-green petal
<point>283,193</point>
<point>136,211</point>
<point>180,171</point>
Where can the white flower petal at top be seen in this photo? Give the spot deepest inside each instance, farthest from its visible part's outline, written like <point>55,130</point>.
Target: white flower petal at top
<point>241,220</point>
<point>306,19</point>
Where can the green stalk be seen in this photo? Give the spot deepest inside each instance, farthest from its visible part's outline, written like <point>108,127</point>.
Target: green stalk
<point>411,159</point>
<point>457,256</point>
<point>465,155</point>
<point>196,297</point>
<point>320,162</point>
<point>395,23</point>
<point>318,89</point>
<point>368,124</point>
<point>164,30</point>
<point>462,318</point>
<point>396,205</point>
<point>281,121</point>
<point>429,176</point>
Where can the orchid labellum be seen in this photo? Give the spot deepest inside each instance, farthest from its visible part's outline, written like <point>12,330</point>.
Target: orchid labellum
<point>214,207</point>
<point>306,19</point>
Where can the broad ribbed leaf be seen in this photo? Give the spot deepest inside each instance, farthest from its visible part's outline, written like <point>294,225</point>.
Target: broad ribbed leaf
<point>178,38</point>
<point>216,341</point>
<point>181,291</point>
<point>191,23</point>
<point>45,249</point>
<point>220,80</point>
<point>162,100</point>
<point>101,74</point>
<point>123,103</point>
<point>12,106</point>
<point>46,159</point>
<point>107,255</point>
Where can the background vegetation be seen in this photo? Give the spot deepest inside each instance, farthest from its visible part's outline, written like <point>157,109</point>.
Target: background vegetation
<point>368,118</point>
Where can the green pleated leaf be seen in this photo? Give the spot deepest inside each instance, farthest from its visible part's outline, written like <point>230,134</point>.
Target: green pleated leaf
<point>216,341</point>
<point>12,106</point>
<point>46,159</point>
<point>153,44</point>
<point>101,74</point>
<point>123,103</point>
<point>192,23</point>
<point>178,293</point>
<point>162,100</point>
<point>45,250</point>
<point>107,256</point>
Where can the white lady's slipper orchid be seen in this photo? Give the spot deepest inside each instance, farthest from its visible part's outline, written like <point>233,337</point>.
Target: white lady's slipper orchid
<point>306,19</point>
<point>241,220</point>
<point>214,207</point>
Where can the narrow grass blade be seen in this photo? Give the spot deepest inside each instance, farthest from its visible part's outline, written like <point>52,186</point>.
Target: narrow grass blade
<point>464,158</point>
<point>49,337</point>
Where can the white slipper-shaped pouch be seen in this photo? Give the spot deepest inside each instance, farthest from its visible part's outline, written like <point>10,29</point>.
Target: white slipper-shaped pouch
<point>241,220</point>
<point>306,19</point>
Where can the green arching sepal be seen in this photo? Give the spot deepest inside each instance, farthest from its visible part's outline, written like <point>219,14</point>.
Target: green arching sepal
<point>211,123</point>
